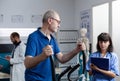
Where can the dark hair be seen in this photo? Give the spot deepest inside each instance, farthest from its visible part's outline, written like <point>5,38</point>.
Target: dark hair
<point>15,34</point>
<point>105,37</point>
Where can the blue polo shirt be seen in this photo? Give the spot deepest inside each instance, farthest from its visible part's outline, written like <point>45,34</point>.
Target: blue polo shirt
<point>35,43</point>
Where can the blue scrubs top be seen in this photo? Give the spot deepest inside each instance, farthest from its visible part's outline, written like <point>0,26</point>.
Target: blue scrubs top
<point>114,66</point>
<point>35,43</point>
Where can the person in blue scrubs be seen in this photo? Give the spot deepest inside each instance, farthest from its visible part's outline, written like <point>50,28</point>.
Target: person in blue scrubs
<point>104,50</point>
<point>41,45</point>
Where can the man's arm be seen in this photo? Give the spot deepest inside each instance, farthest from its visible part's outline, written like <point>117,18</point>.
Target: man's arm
<point>66,57</point>
<point>31,61</point>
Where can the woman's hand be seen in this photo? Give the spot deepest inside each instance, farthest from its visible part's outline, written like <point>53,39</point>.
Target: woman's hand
<point>94,67</point>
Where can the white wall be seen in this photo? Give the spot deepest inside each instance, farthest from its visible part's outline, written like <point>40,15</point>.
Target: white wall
<point>83,5</point>
<point>27,8</point>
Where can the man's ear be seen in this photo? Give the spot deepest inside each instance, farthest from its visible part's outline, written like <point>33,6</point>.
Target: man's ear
<point>49,20</point>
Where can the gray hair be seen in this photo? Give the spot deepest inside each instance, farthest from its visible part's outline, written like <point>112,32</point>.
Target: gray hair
<point>49,14</point>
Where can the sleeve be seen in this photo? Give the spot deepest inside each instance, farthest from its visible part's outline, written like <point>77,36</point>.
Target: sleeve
<point>56,49</point>
<point>114,66</point>
<point>88,65</point>
<point>30,47</point>
<point>89,61</point>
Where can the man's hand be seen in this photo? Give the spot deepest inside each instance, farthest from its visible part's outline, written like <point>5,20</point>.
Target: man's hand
<point>47,51</point>
<point>8,57</point>
<point>80,46</point>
